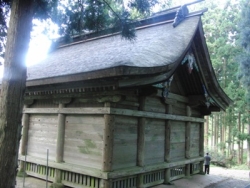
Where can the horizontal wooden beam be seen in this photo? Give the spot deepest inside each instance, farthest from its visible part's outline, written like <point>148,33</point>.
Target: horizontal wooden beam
<point>154,115</point>
<point>101,110</point>
<point>110,110</point>
<point>173,96</point>
<point>107,175</point>
<point>150,168</point>
<point>67,167</point>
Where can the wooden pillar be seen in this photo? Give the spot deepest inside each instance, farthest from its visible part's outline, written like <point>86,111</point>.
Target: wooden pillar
<point>60,143</point>
<point>167,176</point>
<point>141,141</point>
<point>169,110</point>
<point>108,141</point>
<point>25,132</point>
<point>24,143</point>
<point>106,183</point>
<point>201,145</point>
<point>60,140</point>
<point>187,140</point>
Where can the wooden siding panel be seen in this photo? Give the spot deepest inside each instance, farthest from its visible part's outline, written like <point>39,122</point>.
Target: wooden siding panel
<point>44,104</point>
<point>125,142</point>
<point>154,141</point>
<point>179,111</point>
<point>154,104</point>
<point>42,136</point>
<point>177,141</point>
<point>194,140</point>
<point>83,143</point>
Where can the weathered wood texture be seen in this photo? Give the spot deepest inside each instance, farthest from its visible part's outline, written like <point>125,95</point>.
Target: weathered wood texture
<point>194,139</point>
<point>42,136</point>
<point>125,142</point>
<point>177,141</point>
<point>83,143</point>
<point>84,102</point>
<point>108,139</point>
<point>154,141</point>
<point>154,104</point>
<point>46,103</point>
<point>128,102</point>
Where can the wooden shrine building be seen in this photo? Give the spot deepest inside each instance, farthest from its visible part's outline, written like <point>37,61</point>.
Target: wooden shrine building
<point>111,113</point>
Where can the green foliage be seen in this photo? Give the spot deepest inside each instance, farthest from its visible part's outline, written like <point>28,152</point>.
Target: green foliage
<point>80,17</point>
<point>243,136</point>
<point>4,11</point>
<point>244,57</point>
<point>77,18</point>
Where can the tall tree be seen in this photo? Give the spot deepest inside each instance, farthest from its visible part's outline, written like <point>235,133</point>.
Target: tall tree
<point>221,32</point>
<point>245,57</point>
<point>14,79</point>
<point>13,85</point>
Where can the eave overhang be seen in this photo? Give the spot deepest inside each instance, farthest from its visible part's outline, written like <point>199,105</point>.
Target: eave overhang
<point>153,58</point>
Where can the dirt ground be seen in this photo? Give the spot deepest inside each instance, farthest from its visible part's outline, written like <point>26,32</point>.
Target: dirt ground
<point>218,178</point>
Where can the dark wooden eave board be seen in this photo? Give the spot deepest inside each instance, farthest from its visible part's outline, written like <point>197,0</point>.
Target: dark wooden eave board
<point>207,72</point>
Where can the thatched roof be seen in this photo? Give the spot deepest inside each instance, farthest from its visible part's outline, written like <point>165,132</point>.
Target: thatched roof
<point>155,55</point>
<point>156,46</point>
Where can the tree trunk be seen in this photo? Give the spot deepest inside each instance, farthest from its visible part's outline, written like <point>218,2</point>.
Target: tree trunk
<point>212,134</point>
<point>239,141</point>
<point>248,145</point>
<point>216,133</point>
<point>13,86</point>
<point>242,144</point>
<point>223,133</point>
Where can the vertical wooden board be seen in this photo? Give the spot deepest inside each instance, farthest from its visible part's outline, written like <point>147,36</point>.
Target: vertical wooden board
<point>125,142</point>
<point>154,104</point>
<point>177,140</point>
<point>83,142</point>
<point>179,111</point>
<point>42,135</point>
<point>130,102</point>
<point>76,103</point>
<point>154,141</point>
<point>196,113</point>
<point>194,139</point>
<point>177,151</point>
<point>45,103</point>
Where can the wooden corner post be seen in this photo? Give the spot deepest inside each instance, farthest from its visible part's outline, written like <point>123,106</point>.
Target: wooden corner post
<point>169,110</point>
<point>187,141</point>
<point>108,138</point>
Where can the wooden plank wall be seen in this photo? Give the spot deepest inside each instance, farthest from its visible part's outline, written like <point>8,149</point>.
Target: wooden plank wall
<point>194,139</point>
<point>125,142</point>
<point>45,103</point>
<point>154,132</point>
<point>42,136</point>
<point>177,141</point>
<point>154,104</point>
<point>154,141</point>
<point>83,142</point>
